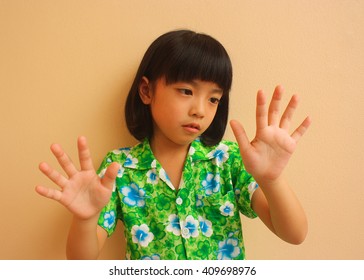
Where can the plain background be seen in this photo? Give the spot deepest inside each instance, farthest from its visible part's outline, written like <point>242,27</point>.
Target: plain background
<point>66,67</point>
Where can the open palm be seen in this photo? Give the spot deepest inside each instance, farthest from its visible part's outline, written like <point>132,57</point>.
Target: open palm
<point>84,193</point>
<point>266,156</point>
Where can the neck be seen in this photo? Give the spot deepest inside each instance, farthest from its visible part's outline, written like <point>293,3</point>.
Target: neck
<point>172,158</point>
<point>167,149</point>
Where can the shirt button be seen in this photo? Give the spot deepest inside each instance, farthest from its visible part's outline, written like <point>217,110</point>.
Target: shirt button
<point>185,231</point>
<point>179,201</point>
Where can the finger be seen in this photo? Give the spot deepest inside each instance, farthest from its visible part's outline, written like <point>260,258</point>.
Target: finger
<point>49,193</point>
<point>84,154</point>
<point>240,135</point>
<point>53,175</point>
<point>261,111</point>
<point>273,112</point>
<point>108,180</point>
<point>64,160</point>
<point>301,130</point>
<point>288,113</point>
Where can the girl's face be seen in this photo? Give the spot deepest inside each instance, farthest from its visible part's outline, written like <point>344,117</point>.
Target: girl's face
<point>181,111</point>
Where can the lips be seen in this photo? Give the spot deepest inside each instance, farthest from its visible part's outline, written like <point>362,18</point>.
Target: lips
<point>192,127</point>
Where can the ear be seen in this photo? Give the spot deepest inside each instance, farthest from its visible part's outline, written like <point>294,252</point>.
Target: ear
<point>145,92</point>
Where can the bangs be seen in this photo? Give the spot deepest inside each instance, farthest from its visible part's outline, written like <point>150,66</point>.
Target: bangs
<point>194,57</point>
<point>181,56</point>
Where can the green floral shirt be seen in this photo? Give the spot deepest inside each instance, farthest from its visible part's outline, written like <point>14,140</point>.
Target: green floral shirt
<point>200,220</point>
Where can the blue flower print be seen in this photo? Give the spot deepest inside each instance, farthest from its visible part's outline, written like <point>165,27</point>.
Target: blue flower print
<point>199,202</point>
<point>227,209</point>
<point>120,172</point>
<point>121,150</point>
<point>152,177</point>
<point>131,162</point>
<point>119,175</point>
<point>109,219</point>
<point>251,189</point>
<point>228,249</point>
<point>211,184</point>
<point>152,257</point>
<point>133,195</point>
<point>219,155</point>
<point>164,177</point>
<point>189,227</point>
<point>205,226</point>
<point>173,225</point>
<point>191,151</point>
<point>141,235</point>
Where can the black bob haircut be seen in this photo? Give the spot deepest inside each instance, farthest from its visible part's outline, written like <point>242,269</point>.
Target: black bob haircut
<point>181,55</point>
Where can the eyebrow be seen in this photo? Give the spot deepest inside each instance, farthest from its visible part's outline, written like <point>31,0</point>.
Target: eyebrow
<point>218,90</point>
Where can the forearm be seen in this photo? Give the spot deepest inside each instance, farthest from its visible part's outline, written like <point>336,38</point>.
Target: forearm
<point>83,242</point>
<point>284,214</point>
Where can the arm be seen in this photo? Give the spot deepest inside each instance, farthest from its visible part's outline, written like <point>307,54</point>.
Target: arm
<point>280,210</point>
<point>266,158</point>
<point>85,239</point>
<point>84,194</point>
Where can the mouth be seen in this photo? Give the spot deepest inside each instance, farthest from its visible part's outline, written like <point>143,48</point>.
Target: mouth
<point>192,127</point>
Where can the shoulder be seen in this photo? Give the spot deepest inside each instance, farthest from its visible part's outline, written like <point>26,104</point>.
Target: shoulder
<point>223,145</point>
<point>121,155</point>
<point>229,145</point>
<point>118,155</point>
<point>224,151</point>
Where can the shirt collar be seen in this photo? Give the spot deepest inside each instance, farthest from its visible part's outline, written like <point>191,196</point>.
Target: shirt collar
<point>141,156</point>
<point>199,152</point>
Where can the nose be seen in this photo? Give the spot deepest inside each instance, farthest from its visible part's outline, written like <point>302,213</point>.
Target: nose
<point>197,108</point>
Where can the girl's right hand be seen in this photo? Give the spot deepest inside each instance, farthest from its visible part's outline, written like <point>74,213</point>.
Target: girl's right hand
<point>83,193</point>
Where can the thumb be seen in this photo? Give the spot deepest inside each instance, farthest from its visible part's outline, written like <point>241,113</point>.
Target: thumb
<point>108,180</point>
<point>240,135</point>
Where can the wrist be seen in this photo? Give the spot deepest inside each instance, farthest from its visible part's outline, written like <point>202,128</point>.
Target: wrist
<point>86,223</point>
<point>265,183</point>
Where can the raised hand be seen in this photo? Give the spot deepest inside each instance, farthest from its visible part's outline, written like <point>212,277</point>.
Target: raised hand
<point>266,156</point>
<point>83,193</point>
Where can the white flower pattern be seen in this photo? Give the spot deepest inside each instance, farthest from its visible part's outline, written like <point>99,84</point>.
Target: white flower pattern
<point>220,154</point>
<point>142,235</point>
<point>211,184</point>
<point>227,209</point>
<point>109,219</point>
<point>197,221</point>
<point>174,225</point>
<point>189,227</point>
<point>228,249</point>
<point>205,226</point>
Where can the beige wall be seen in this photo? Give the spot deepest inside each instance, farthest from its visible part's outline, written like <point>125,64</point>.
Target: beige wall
<point>66,66</point>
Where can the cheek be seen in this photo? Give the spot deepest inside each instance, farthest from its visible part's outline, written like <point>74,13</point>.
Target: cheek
<point>167,114</point>
<point>212,112</point>
<point>173,108</point>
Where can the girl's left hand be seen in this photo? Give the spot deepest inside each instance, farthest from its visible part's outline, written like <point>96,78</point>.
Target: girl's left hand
<point>268,154</point>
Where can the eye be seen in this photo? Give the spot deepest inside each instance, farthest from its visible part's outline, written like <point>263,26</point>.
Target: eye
<point>214,100</point>
<point>185,91</point>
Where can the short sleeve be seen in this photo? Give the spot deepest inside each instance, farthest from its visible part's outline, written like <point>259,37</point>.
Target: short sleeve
<point>244,184</point>
<point>111,212</point>
<point>244,190</point>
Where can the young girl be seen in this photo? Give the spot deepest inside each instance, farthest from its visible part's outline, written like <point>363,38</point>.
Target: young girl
<point>179,191</point>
